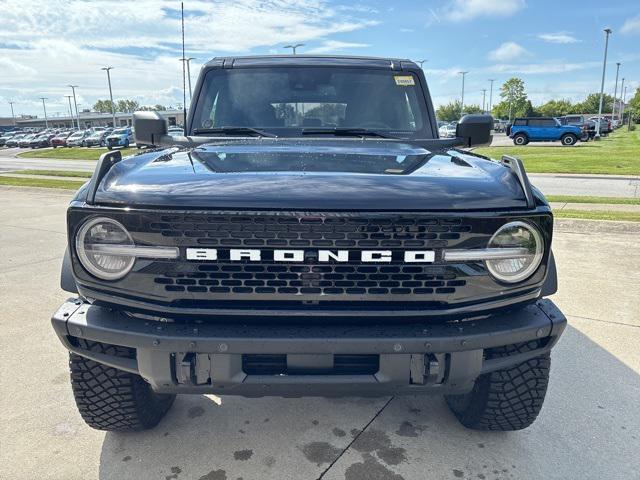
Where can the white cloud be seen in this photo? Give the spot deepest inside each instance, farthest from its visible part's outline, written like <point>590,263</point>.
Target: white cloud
<point>464,10</point>
<point>47,44</point>
<point>631,26</point>
<point>540,68</point>
<point>332,46</point>
<point>508,51</point>
<point>558,37</point>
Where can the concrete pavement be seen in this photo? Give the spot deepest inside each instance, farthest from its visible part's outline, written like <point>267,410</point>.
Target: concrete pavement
<point>589,427</point>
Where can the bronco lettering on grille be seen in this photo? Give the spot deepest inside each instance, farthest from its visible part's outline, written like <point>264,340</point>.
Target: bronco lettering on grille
<point>319,256</point>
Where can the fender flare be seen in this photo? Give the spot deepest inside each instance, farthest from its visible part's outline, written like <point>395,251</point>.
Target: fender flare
<point>550,285</point>
<point>67,282</point>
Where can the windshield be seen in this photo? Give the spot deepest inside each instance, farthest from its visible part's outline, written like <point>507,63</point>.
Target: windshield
<point>287,100</point>
<point>120,131</point>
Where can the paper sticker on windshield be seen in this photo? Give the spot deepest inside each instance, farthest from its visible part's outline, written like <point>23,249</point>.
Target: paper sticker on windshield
<point>404,80</point>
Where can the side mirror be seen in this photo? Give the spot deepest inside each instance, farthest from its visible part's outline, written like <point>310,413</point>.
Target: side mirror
<point>475,129</point>
<point>149,127</point>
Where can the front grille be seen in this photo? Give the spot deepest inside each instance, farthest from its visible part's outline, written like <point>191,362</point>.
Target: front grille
<point>313,279</point>
<point>294,231</point>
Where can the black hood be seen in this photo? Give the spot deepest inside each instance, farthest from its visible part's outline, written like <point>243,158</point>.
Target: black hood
<point>311,174</point>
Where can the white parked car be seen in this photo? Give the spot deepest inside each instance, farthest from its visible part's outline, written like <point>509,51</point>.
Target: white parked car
<point>447,131</point>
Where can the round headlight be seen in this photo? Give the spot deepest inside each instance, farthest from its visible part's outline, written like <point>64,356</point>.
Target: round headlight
<point>92,244</point>
<point>523,237</point>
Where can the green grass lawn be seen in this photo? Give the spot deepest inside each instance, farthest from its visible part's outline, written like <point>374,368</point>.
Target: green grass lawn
<point>73,153</point>
<point>598,215</point>
<point>40,182</point>
<point>619,153</point>
<point>588,199</point>
<point>55,173</point>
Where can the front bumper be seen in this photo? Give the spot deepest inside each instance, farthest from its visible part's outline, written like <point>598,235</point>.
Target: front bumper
<point>207,357</point>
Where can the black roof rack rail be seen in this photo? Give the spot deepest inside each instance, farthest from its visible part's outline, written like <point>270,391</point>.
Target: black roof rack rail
<point>517,167</point>
<point>106,161</point>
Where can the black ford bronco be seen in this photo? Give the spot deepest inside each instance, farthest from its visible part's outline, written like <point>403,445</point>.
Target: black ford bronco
<point>310,235</point>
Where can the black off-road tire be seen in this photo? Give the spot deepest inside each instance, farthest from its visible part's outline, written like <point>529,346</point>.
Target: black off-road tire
<point>520,139</point>
<point>569,139</point>
<point>111,399</point>
<point>508,399</point>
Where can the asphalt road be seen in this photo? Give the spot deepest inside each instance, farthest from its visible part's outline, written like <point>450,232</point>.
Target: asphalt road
<point>549,184</point>
<point>589,427</point>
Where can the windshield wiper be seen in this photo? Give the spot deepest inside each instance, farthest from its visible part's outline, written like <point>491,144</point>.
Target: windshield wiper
<point>346,132</point>
<point>234,131</point>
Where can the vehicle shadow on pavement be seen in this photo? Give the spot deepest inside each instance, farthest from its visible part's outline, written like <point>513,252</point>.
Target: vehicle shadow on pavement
<point>589,428</point>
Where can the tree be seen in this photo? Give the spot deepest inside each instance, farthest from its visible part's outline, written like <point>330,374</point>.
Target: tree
<point>514,100</point>
<point>592,103</point>
<point>127,106</point>
<point>103,106</point>
<point>449,112</point>
<point>634,106</point>
<point>555,108</point>
<point>157,108</point>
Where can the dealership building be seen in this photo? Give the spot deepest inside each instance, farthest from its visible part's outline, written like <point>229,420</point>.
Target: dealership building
<point>94,119</point>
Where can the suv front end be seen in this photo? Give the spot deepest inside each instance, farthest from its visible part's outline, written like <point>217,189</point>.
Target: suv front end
<point>316,267</point>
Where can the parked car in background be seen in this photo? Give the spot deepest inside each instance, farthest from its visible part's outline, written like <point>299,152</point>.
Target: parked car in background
<point>76,138</point>
<point>97,138</point>
<point>175,131</point>
<point>60,140</point>
<point>587,126</point>
<point>13,141</point>
<point>41,141</point>
<point>6,137</point>
<point>25,141</point>
<point>605,124</point>
<point>543,129</point>
<point>120,137</point>
<point>500,126</point>
<point>448,130</point>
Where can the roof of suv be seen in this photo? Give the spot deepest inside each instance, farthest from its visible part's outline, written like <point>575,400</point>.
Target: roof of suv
<point>311,61</point>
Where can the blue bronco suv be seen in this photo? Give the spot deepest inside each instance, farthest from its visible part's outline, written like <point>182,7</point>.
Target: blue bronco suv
<point>543,129</point>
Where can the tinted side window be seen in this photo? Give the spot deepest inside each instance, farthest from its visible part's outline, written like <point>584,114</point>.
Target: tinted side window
<point>520,121</point>
<point>537,122</point>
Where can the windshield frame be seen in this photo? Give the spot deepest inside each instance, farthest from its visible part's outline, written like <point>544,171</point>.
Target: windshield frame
<point>428,130</point>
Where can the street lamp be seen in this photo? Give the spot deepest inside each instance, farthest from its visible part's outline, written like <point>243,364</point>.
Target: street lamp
<point>484,94</point>
<point>620,104</point>
<point>70,110</point>
<point>421,62</point>
<point>607,32</point>
<point>462,98</point>
<point>491,80</point>
<point>113,107</point>
<point>73,89</point>
<point>294,47</point>
<point>624,99</point>
<point>44,106</point>
<point>12,114</point>
<point>188,73</point>
<point>615,92</point>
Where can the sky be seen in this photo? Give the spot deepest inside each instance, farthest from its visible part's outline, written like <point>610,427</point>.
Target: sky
<point>555,46</point>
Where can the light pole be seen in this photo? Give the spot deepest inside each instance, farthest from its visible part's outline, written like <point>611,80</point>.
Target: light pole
<point>624,98</point>
<point>44,106</point>
<point>113,107</point>
<point>462,97</point>
<point>615,92</point>
<point>491,80</point>
<point>73,89</point>
<point>607,31</point>
<point>70,110</point>
<point>421,62</point>
<point>620,104</point>
<point>484,94</point>
<point>187,60</point>
<point>294,47</point>
<point>12,114</point>
<point>510,102</point>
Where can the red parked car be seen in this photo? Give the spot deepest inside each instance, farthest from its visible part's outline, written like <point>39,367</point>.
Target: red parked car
<point>60,140</point>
